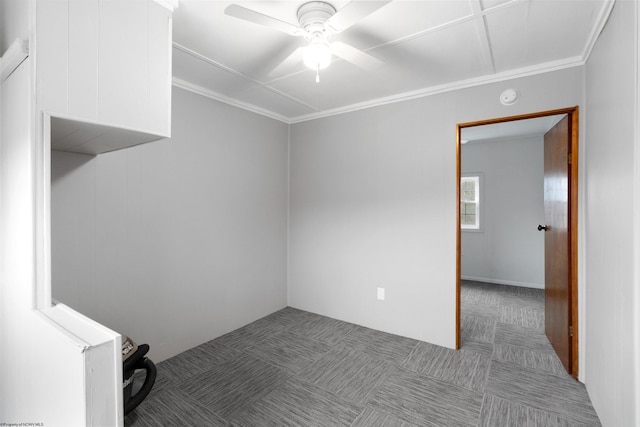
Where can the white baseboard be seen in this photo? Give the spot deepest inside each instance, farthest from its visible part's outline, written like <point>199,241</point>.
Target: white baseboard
<point>504,282</point>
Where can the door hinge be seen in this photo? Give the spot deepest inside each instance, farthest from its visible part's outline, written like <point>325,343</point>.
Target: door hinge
<point>570,331</point>
<point>569,160</point>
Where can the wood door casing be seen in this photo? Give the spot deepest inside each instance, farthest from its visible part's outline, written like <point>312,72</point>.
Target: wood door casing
<point>557,244</point>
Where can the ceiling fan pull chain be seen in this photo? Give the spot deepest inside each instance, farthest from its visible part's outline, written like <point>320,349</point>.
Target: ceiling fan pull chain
<point>318,74</point>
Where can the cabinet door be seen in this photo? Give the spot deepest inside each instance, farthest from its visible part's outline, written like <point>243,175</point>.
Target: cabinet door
<point>122,63</point>
<point>159,81</point>
<point>84,24</point>
<point>105,61</point>
<point>52,55</point>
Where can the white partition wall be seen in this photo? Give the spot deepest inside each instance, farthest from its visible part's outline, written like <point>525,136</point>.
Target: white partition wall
<point>58,367</point>
<point>42,364</point>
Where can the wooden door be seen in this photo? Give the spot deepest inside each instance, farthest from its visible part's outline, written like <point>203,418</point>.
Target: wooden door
<point>557,241</point>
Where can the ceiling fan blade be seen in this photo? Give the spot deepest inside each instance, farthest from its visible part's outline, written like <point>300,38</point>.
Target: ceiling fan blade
<point>290,62</point>
<point>352,13</point>
<point>258,18</point>
<point>355,56</point>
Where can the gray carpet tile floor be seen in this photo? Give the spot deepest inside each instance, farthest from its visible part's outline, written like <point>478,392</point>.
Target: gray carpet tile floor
<point>295,368</point>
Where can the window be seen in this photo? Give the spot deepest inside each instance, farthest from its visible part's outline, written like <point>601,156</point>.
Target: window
<point>470,202</point>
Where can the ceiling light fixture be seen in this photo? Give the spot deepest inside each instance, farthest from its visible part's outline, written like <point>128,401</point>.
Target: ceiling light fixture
<point>313,17</point>
<point>317,55</point>
<point>318,21</point>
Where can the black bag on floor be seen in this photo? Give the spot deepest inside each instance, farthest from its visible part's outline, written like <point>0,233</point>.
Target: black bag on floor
<point>133,360</point>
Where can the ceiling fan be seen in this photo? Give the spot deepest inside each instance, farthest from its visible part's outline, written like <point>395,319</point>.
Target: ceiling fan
<point>318,20</point>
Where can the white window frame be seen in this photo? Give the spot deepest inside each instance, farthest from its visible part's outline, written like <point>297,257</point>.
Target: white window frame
<point>477,178</point>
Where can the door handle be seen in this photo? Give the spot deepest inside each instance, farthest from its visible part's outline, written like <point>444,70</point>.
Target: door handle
<point>543,227</point>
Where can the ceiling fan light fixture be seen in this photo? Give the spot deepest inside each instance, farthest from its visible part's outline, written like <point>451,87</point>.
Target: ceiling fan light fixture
<point>317,55</point>
<point>318,21</point>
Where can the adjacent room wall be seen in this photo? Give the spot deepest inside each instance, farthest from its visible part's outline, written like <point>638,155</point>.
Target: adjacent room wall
<point>509,249</point>
<point>373,204</point>
<point>179,241</point>
<point>611,197</point>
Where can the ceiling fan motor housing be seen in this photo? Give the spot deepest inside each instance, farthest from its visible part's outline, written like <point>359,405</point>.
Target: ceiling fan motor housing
<point>312,17</point>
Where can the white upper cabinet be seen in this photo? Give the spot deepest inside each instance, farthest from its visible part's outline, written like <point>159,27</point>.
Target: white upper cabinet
<point>106,62</point>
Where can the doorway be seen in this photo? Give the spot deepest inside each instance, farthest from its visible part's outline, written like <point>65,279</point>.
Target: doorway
<point>562,335</point>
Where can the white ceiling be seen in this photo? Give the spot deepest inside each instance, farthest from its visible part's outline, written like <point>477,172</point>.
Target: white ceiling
<point>427,46</point>
<point>509,130</point>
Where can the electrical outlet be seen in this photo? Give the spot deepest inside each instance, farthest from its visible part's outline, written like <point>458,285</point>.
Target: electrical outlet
<point>381,294</point>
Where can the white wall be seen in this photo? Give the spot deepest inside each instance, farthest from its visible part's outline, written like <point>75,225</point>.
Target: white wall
<point>373,203</point>
<point>44,378</point>
<point>509,249</point>
<point>41,369</point>
<point>15,22</point>
<point>178,241</point>
<point>611,197</point>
